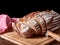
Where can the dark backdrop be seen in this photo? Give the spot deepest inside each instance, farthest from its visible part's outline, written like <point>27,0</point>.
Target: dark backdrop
<point>19,8</point>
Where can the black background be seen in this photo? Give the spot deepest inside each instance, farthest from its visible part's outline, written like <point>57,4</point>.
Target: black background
<point>19,8</point>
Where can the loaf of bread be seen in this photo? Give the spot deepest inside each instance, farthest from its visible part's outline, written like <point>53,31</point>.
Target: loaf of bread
<point>36,23</point>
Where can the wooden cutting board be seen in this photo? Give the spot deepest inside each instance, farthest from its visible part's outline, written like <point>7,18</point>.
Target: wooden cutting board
<point>15,38</point>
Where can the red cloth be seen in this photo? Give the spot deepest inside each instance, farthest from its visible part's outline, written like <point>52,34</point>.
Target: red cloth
<point>5,22</point>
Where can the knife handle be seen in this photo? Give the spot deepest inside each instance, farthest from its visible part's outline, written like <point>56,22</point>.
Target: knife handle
<point>53,35</point>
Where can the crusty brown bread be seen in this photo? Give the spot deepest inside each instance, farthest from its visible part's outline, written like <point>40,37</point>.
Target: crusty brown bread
<point>36,23</point>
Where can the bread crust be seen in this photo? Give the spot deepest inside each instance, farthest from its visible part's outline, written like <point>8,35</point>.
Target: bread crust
<point>36,22</point>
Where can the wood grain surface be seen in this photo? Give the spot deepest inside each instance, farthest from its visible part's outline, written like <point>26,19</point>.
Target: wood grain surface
<point>36,40</point>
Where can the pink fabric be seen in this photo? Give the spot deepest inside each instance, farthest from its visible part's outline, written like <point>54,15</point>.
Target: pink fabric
<point>5,22</point>
<point>14,19</point>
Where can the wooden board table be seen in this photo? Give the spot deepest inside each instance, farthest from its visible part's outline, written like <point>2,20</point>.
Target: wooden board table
<point>15,38</point>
